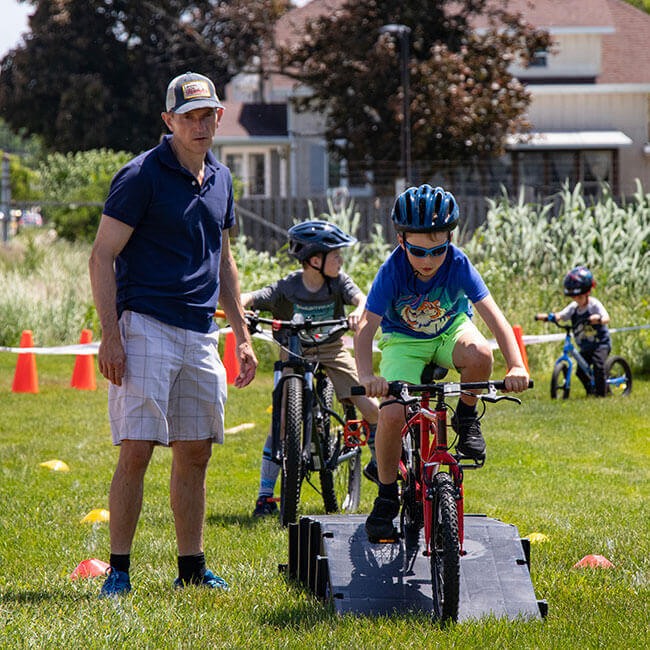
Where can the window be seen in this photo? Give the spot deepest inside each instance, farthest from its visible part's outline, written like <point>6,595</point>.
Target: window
<point>597,168</point>
<point>235,163</point>
<point>539,59</point>
<point>256,174</point>
<point>546,172</point>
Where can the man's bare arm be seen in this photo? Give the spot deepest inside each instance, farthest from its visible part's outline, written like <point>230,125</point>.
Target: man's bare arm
<point>111,238</point>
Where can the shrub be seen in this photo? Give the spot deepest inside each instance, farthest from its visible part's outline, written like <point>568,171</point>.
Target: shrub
<point>80,178</point>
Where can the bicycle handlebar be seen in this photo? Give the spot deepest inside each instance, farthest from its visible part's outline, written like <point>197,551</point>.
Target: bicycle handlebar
<point>295,325</point>
<point>395,387</point>
<point>566,328</point>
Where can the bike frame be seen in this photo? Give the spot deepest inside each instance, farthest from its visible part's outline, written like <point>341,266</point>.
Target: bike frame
<point>307,372</point>
<point>569,350</point>
<point>434,454</point>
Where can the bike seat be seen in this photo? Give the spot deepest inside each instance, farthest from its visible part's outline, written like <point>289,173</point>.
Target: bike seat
<point>433,372</point>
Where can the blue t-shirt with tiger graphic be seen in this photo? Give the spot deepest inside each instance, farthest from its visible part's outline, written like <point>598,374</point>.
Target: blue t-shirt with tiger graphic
<point>424,310</point>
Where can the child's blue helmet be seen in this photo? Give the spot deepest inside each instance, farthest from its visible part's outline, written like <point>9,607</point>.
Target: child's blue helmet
<point>578,281</point>
<point>425,209</point>
<point>312,237</point>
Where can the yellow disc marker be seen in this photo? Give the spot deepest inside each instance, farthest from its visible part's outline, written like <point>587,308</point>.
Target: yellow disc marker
<point>96,515</point>
<point>270,409</point>
<point>56,465</point>
<point>538,538</point>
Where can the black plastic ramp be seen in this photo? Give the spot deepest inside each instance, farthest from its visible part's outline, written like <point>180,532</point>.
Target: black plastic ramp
<point>331,556</point>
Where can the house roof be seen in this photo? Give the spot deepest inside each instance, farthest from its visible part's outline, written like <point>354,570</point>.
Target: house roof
<point>626,54</point>
<point>253,121</point>
<point>581,15</point>
<point>290,27</point>
<point>625,30</point>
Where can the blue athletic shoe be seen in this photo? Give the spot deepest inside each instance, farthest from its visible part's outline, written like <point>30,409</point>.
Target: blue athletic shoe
<point>117,583</point>
<point>209,580</point>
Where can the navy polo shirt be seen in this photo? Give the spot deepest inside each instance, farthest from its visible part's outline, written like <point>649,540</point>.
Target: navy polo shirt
<point>169,268</point>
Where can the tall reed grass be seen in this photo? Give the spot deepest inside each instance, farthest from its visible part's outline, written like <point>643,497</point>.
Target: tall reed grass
<point>44,286</point>
<point>522,251</point>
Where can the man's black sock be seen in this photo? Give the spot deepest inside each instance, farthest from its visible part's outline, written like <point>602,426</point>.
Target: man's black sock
<point>191,568</point>
<point>388,491</point>
<point>465,410</point>
<point>121,562</point>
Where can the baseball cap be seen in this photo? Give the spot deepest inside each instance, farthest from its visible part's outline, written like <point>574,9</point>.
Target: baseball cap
<point>190,91</point>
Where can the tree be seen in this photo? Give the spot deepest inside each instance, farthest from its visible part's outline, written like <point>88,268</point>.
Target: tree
<point>93,73</point>
<point>644,5</point>
<point>463,100</point>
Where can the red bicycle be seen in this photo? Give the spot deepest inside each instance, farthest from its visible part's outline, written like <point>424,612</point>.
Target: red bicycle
<point>431,479</point>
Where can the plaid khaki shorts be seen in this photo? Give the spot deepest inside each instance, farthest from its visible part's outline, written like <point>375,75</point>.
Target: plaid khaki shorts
<point>174,386</point>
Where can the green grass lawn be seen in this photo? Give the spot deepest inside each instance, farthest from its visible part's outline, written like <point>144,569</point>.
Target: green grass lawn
<point>576,471</point>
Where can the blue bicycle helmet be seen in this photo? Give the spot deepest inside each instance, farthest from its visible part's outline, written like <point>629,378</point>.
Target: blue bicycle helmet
<point>312,237</point>
<point>578,281</point>
<point>425,209</point>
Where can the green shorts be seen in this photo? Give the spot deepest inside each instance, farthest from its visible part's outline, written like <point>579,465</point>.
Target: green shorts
<point>403,357</point>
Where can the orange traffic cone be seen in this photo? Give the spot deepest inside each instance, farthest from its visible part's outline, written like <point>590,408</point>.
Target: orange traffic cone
<point>83,375</point>
<point>519,335</point>
<point>25,377</point>
<point>230,358</point>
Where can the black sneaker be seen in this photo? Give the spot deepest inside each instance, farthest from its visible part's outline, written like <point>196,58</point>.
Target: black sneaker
<point>265,506</point>
<point>371,472</point>
<point>379,525</point>
<point>470,439</point>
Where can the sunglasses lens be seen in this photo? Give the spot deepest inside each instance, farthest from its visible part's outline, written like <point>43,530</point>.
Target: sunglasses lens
<point>418,251</point>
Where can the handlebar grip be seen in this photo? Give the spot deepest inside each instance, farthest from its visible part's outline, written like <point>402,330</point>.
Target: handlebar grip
<point>358,390</point>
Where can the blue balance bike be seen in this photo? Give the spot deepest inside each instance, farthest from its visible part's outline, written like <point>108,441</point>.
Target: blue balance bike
<point>617,370</point>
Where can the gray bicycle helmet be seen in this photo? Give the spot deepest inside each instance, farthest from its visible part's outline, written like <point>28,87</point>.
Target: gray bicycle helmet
<point>312,237</point>
<point>425,209</point>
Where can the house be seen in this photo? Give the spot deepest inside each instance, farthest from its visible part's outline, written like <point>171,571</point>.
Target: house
<point>590,110</point>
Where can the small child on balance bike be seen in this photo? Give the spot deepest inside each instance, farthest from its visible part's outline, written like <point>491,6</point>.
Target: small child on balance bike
<point>589,324</point>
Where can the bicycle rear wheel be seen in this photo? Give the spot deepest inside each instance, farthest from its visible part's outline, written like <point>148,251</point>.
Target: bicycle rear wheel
<point>560,380</point>
<point>291,452</point>
<point>445,550</point>
<point>618,376</point>
<point>340,485</point>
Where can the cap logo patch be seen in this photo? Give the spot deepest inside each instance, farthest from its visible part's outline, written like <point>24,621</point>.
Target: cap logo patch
<point>194,89</point>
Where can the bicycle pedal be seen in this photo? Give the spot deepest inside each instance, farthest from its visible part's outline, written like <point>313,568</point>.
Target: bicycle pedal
<point>472,464</point>
<point>391,540</point>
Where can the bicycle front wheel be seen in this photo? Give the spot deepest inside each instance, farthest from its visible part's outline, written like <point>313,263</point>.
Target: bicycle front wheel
<point>340,484</point>
<point>291,452</point>
<point>618,376</point>
<point>560,381</point>
<point>445,550</point>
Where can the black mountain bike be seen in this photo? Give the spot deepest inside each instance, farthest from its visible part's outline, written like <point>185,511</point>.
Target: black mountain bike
<point>308,433</point>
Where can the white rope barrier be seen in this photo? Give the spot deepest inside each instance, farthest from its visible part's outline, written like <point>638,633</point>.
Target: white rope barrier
<point>91,348</point>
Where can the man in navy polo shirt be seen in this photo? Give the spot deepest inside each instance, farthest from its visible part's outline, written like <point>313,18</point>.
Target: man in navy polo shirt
<point>160,262</point>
